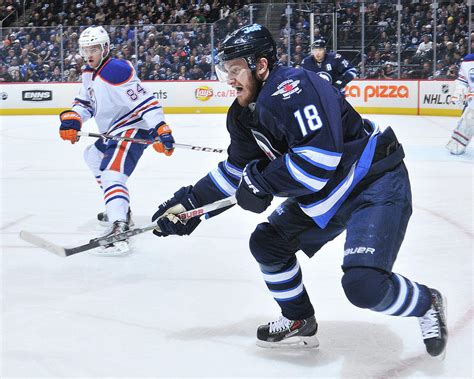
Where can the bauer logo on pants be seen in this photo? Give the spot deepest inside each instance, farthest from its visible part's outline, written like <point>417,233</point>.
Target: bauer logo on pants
<point>37,95</point>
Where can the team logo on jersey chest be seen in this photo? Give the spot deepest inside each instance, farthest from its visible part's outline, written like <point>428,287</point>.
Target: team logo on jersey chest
<point>287,88</point>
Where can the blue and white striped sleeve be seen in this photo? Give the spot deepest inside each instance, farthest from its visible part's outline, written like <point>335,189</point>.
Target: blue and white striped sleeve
<point>302,170</point>
<point>226,177</point>
<point>218,184</point>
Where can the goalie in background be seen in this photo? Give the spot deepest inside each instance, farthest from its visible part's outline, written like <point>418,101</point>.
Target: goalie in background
<point>463,93</point>
<point>121,105</point>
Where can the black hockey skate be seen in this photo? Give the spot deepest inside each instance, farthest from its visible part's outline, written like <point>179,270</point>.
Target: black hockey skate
<point>104,219</point>
<point>118,248</point>
<point>433,325</point>
<point>285,333</point>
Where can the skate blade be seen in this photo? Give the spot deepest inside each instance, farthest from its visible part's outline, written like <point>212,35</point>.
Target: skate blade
<point>291,343</point>
<point>119,249</point>
<point>442,356</point>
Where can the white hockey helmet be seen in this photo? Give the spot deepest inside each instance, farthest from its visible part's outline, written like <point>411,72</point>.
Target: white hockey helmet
<point>92,36</point>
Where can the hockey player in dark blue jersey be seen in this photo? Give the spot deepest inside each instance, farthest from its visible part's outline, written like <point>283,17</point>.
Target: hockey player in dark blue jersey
<point>330,66</point>
<point>294,135</point>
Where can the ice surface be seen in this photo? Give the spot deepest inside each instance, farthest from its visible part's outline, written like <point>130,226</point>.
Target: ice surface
<point>190,306</point>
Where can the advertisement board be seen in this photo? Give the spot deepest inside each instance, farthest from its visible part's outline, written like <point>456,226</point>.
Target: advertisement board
<point>394,97</point>
<point>369,96</point>
<point>435,97</point>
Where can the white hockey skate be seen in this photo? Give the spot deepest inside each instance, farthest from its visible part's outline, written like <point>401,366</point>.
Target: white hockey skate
<point>116,249</point>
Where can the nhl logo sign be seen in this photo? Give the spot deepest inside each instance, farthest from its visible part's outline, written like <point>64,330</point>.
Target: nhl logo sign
<point>444,88</point>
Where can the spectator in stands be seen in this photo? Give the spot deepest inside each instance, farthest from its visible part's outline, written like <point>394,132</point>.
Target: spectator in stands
<point>427,71</point>
<point>56,75</point>
<point>377,62</point>
<point>388,72</point>
<point>425,46</point>
<point>441,70</point>
<point>283,60</point>
<point>183,74</point>
<point>452,72</point>
<point>15,75</point>
<point>205,67</point>
<point>371,53</point>
<point>195,73</point>
<point>4,75</point>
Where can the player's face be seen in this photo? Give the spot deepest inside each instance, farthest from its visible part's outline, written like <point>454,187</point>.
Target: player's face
<point>319,54</point>
<point>240,77</point>
<point>92,55</point>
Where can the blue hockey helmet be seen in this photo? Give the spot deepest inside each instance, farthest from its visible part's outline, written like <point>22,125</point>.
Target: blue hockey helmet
<point>251,43</point>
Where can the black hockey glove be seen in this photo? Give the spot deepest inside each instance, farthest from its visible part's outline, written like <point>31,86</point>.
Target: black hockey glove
<point>254,193</point>
<point>167,221</point>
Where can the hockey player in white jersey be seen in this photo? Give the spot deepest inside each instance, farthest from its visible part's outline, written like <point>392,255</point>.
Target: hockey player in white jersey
<point>112,93</point>
<point>463,94</point>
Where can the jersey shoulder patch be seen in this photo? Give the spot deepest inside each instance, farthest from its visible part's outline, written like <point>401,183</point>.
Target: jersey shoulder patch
<point>286,82</point>
<point>116,72</point>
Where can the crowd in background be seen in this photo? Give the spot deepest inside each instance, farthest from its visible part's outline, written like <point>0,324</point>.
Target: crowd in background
<point>149,34</point>
<point>10,10</point>
<point>171,40</point>
<point>418,29</point>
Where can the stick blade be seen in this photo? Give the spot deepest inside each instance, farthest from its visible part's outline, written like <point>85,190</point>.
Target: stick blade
<point>42,243</point>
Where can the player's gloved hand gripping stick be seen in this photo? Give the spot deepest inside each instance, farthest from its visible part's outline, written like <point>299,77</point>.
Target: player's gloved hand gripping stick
<point>168,217</point>
<point>165,143</point>
<point>71,124</point>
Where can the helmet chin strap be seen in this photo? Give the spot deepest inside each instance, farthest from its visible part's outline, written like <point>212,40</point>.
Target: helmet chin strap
<point>260,83</point>
<point>104,55</point>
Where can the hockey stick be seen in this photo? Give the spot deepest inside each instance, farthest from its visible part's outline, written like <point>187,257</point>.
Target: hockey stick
<point>151,142</point>
<point>102,241</point>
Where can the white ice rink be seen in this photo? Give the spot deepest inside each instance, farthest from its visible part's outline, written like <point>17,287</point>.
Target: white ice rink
<point>190,306</point>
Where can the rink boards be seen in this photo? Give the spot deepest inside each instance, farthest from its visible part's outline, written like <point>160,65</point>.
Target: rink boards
<point>410,97</point>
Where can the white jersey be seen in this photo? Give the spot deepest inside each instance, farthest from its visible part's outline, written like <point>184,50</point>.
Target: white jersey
<point>117,99</point>
<point>465,79</point>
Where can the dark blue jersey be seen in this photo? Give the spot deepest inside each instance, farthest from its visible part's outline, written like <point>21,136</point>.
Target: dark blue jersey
<point>334,68</point>
<point>317,146</point>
